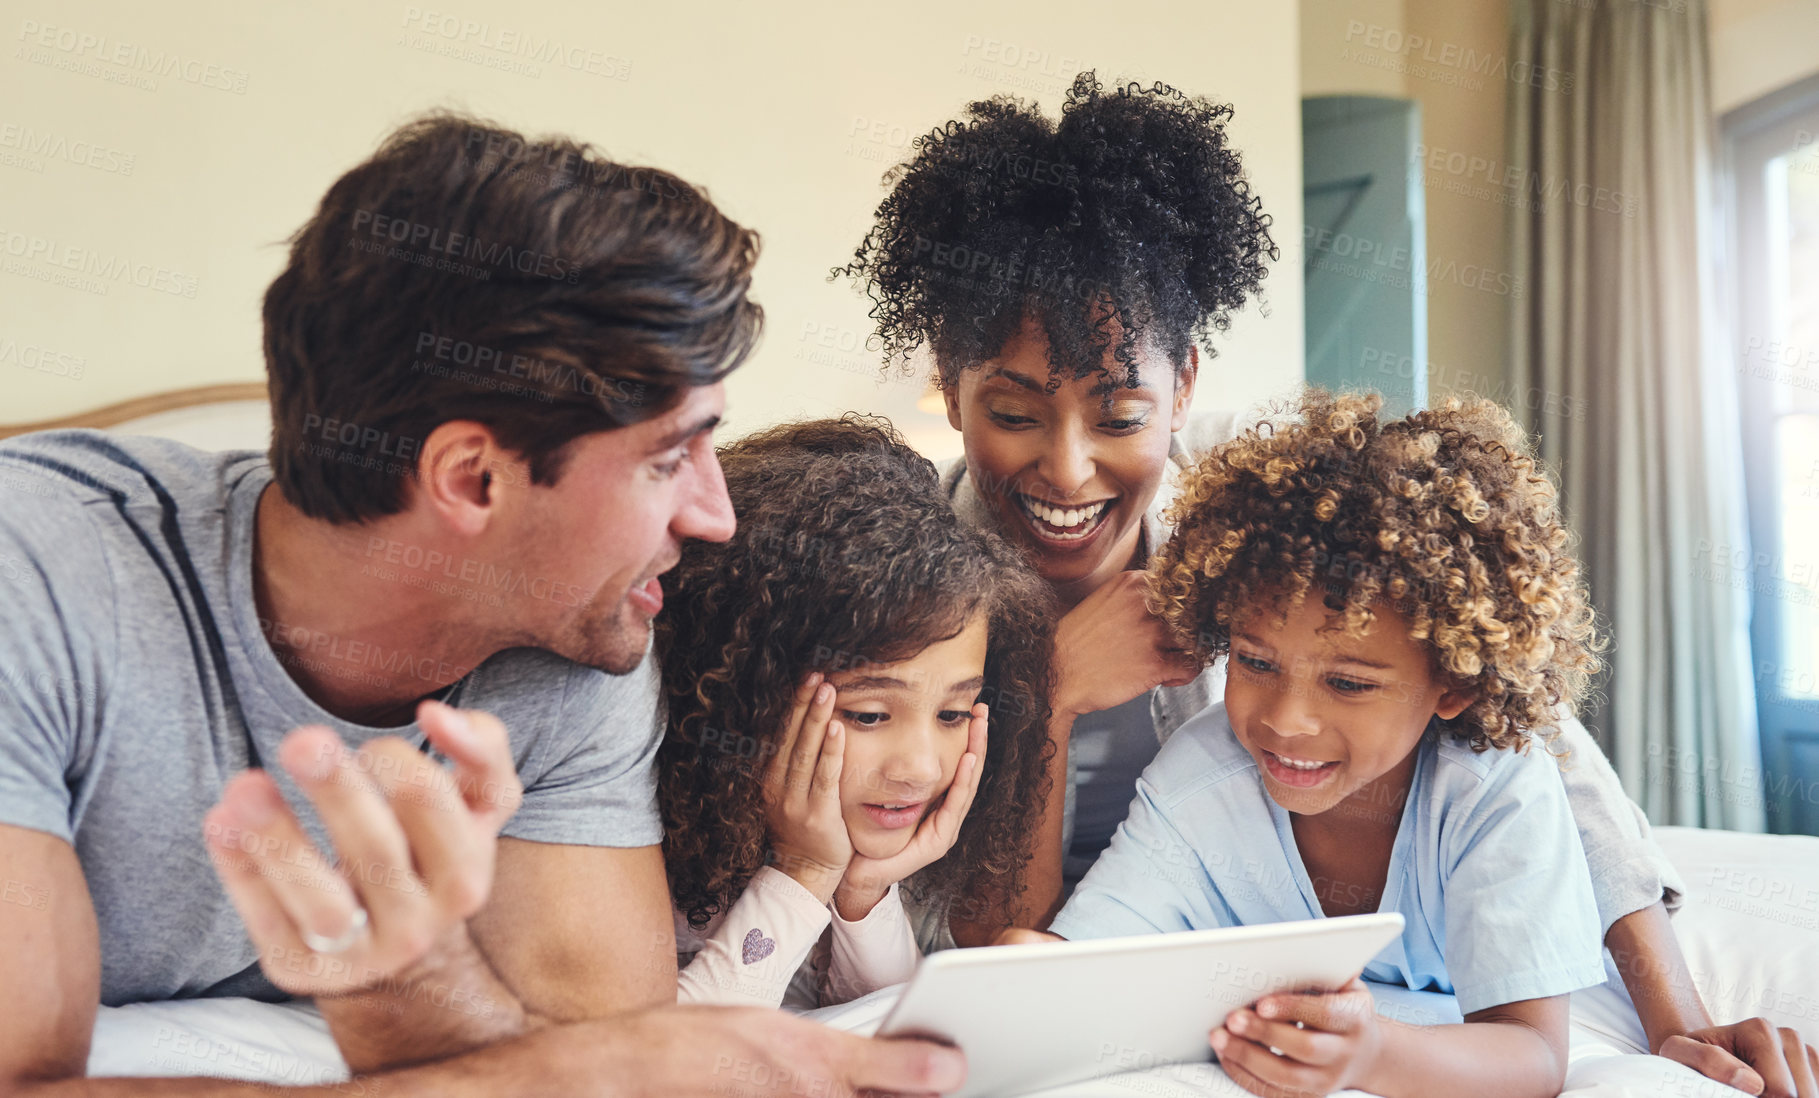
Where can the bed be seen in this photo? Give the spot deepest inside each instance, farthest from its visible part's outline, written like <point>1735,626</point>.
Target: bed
<point>231,416</point>
<point>1750,926</point>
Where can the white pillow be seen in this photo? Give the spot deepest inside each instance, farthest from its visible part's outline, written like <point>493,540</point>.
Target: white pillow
<point>1750,926</point>
<point>224,425</point>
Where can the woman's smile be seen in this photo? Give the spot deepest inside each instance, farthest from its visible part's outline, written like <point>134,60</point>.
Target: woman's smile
<point>1070,470</point>
<point>1064,528</point>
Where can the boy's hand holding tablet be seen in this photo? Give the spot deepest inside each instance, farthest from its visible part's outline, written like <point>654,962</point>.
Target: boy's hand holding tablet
<point>1310,1041</point>
<point>1063,1011</point>
<point>1307,1041</point>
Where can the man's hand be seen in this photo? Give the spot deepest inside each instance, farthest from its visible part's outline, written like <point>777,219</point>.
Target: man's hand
<point>1301,1043</point>
<point>738,1052</point>
<point>415,845</point>
<point>1753,1056</point>
<point>802,793</point>
<point>1110,649</point>
<point>868,879</point>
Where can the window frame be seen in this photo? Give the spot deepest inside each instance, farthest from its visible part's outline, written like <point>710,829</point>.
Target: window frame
<point>1751,137</point>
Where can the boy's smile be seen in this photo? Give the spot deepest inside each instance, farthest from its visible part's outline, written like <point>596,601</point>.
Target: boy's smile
<point>1325,714</point>
<point>1297,772</point>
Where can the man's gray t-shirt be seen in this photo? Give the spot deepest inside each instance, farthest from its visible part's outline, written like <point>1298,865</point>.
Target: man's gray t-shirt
<point>136,679</point>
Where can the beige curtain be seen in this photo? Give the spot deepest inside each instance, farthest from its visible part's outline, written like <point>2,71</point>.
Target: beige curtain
<point>1615,237</point>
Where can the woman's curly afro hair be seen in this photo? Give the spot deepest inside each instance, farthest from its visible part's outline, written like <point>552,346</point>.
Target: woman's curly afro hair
<point>1130,215</point>
<point>847,553</point>
<point>1443,515</point>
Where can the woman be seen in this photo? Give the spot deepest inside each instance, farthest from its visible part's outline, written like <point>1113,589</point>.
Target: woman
<point>1063,274</point>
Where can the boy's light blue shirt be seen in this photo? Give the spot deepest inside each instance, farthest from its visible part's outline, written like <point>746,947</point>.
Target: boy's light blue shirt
<point>1486,870</point>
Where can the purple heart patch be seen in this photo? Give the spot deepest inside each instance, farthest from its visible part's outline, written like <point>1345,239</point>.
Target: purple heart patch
<point>757,946</point>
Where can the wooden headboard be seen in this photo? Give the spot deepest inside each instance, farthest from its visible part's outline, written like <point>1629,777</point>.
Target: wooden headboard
<point>125,411</point>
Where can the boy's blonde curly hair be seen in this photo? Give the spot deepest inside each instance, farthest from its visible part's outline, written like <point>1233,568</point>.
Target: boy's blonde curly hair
<point>1444,514</point>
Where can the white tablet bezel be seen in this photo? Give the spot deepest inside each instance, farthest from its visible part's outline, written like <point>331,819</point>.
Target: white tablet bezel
<point>1040,1015</point>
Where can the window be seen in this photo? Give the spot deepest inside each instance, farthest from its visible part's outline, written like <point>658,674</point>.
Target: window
<point>1772,160</point>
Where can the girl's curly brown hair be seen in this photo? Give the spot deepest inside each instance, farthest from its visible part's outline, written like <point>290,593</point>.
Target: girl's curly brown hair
<point>1444,515</point>
<point>847,551</point>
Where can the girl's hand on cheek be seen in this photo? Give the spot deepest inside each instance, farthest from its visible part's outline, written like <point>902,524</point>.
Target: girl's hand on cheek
<point>1335,1046</point>
<point>802,793</point>
<point>868,879</point>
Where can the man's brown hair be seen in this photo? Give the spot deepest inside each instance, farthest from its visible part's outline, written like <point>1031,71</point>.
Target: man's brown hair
<point>468,272</point>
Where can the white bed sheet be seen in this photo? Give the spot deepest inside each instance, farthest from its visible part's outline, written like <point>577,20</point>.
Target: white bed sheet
<point>1600,1064</point>
<point>288,1044</point>
<point>1750,929</point>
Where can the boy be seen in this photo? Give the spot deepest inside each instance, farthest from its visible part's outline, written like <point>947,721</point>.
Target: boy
<point>1399,613</point>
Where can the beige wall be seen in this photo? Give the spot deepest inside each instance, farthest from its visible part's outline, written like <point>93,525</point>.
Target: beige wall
<point>1336,56</point>
<point>193,177</point>
<point>1759,46</point>
<point>1448,56</point>
<point>1468,318</point>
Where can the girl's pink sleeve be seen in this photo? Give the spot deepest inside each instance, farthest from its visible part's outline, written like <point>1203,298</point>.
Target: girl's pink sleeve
<point>876,951</point>
<point>748,959</point>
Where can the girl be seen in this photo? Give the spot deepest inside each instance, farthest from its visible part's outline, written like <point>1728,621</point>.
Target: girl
<point>1403,619</point>
<point>1068,361</point>
<point>828,674</point>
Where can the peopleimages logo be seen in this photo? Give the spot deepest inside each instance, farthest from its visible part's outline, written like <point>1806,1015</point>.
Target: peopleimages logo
<point>1022,58</point>
<point>37,145</point>
<point>461,246</point>
<point>469,362</point>
<point>1514,186</point>
<point>514,43</point>
<point>484,579</point>
<point>308,642</point>
<point>81,51</point>
<point>87,268</point>
<point>1370,260</point>
<point>45,360</point>
<point>1424,57</point>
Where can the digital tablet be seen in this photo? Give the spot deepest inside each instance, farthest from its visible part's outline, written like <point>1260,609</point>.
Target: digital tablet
<point>1033,1016</point>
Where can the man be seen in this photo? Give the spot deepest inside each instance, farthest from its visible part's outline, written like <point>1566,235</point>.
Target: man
<point>495,367</point>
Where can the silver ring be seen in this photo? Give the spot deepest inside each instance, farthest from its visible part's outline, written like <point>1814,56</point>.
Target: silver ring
<point>342,942</point>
